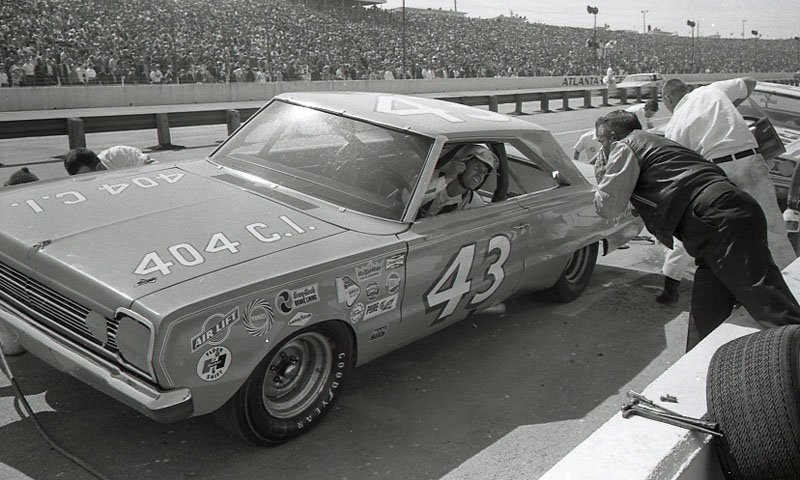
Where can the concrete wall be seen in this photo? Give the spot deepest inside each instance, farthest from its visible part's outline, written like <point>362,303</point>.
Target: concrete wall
<point>49,98</point>
<point>640,449</point>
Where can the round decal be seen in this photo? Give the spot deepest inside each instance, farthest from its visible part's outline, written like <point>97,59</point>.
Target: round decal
<point>357,313</point>
<point>258,318</point>
<point>284,302</point>
<point>214,363</point>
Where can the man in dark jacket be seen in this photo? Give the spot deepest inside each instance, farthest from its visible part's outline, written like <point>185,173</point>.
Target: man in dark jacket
<point>680,194</point>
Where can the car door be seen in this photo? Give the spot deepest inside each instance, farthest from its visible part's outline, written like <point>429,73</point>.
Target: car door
<point>561,216</point>
<point>460,262</point>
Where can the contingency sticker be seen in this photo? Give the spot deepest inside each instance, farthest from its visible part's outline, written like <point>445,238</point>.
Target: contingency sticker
<point>347,291</point>
<point>215,329</point>
<point>214,363</point>
<point>288,300</point>
<point>258,318</point>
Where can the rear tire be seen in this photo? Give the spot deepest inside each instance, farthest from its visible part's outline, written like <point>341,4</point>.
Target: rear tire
<point>753,392</point>
<point>575,277</point>
<point>293,387</point>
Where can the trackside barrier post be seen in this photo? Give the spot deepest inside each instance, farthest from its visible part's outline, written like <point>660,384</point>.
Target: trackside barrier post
<point>638,94</point>
<point>545,103</point>
<point>518,105</point>
<point>587,99</point>
<point>76,133</point>
<point>493,103</point>
<point>234,119</point>
<point>605,98</point>
<point>623,96</point>
<point>565,101</point>
<point>164,137</point>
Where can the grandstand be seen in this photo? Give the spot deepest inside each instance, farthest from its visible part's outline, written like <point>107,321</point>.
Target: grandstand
<point>87,42</point>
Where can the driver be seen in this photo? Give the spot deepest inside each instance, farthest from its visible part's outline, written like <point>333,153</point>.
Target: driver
<point>454,184</point>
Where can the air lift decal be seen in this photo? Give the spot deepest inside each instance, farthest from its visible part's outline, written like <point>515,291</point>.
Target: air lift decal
<point>215,329</point>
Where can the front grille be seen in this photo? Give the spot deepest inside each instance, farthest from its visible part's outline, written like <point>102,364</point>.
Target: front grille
<point>54,311</point>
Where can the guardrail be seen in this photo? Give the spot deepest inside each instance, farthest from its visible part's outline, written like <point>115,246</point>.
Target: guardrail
<point>76,128</point>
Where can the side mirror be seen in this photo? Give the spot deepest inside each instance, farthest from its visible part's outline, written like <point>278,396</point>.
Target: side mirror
<point>559,178</point>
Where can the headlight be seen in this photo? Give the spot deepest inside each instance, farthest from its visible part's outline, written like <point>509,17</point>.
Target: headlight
<point>135,342</point>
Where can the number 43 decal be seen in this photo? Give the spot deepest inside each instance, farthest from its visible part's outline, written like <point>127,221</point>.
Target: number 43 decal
<point>455,282</point>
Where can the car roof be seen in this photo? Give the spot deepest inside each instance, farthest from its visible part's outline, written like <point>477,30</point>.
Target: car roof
<point>422,115</point>
<point>778,88</point>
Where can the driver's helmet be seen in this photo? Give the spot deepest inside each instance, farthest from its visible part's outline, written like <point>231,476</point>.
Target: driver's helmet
<point>481,153</point>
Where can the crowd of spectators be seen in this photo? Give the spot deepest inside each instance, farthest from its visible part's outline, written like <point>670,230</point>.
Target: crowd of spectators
<point>85,42</point>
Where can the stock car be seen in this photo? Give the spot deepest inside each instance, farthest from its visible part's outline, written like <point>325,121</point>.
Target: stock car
<point>251,282</point>
<point>781,103</point>
<point>647,81</point>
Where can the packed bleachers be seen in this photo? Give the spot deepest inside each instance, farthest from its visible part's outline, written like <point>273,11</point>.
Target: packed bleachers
<point>85,42</point>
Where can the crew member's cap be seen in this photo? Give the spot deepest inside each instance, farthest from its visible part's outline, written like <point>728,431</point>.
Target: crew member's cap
<point>23,175</point>
<point>481,153</point>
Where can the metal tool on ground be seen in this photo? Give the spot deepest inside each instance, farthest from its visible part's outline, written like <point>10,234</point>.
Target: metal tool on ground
<point>644,407</point>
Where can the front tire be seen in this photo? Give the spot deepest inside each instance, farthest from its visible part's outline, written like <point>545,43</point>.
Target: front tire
<point>576,276</point>
<point>293,387</point>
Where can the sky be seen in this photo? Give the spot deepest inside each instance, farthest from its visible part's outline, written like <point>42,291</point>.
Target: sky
<point>770,18</point>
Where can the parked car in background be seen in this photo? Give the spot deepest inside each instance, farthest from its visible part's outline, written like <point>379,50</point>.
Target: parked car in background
<point>781,103</point>
<point>647,81</point>
<point>251,283</point>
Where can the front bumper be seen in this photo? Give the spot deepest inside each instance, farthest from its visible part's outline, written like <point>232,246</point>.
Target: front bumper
<point>161,405</point>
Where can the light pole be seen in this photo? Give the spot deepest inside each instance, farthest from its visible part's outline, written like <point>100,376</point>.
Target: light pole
<point>594,11</point>
<point>755,50</point>
<point>404,39</point>
<point>644,12</point>
<point>692,24</point>
<point>743,22</point>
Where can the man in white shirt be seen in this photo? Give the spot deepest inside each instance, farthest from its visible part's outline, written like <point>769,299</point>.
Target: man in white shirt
<point>707,121</point>
<point>645,112</point>
<point>586,143</point>
<point>123,156</point>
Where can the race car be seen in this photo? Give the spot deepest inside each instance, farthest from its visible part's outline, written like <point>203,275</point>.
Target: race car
<point>250,283</point>
<point>646,81</point>
<point>781,104</point>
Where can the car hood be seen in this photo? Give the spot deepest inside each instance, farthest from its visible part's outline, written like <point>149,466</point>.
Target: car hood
<point>114,237</point>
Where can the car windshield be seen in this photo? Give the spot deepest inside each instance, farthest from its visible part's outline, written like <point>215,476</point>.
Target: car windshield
<point>353,164</point>
<point>783,109</point>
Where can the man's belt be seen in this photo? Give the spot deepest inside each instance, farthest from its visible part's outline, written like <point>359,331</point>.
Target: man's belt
<point>736,156</point>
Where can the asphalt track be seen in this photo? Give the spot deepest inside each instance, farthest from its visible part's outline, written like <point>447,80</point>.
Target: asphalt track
<point>500,396</point>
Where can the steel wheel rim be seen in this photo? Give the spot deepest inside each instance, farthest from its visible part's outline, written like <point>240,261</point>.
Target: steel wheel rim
<point>296,375</point>
<point>576,265</point>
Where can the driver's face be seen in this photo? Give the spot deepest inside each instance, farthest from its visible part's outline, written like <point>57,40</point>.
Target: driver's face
<point>472,177</point>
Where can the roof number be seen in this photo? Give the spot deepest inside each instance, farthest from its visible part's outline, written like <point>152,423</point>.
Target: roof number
<point>403,107</point>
